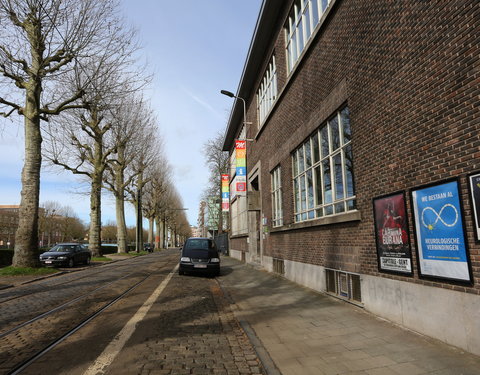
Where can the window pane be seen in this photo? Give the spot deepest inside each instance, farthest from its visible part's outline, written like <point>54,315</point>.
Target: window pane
<point>316,150</point>
<point>314,12</point>
<point>311,214</point>
<point>300,37</point>
<point>303,192</point>
<point>310,188</point>
<point>327,181</point>
<point>297,195</point>
<point>352,204</point>
<point>324,141</point>
<point>308,154</point>
<point>347,132</point>
<point>329,210</point>
<point>334,133</point>
<point>320,212</point>
<point>337,165</point>
<point>295,164</point>
<point>349,171</point>
<point>306,20</point>
<point>301,160</point>
<point>318,185</point>
<point>324,5</point>
<point>339,208</point>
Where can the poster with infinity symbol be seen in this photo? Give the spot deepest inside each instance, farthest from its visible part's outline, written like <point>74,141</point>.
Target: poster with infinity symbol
<point>440,234</point>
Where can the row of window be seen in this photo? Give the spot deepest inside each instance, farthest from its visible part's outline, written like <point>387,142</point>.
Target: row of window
<point>322,171</point>
<point>301,23</point>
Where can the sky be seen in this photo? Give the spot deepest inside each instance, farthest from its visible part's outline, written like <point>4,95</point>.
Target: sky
<point>194,49</point>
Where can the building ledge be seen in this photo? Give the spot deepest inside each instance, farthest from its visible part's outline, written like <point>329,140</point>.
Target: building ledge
<point>328,220</point>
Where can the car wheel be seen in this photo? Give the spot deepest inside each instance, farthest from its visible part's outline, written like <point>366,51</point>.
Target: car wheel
<point>87,262</point>
<point>71,263</point>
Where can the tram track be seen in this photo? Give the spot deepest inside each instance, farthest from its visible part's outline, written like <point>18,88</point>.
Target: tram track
<point>23,343</point>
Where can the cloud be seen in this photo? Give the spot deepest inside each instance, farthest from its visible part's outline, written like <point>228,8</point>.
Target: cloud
<point>203,103</point>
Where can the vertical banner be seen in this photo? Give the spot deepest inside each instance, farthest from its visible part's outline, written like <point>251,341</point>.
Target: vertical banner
<point>241,167</point>
<point>474,182</point>
<point>225,192</point>
<point>440,234</point>
<point>391,234</point>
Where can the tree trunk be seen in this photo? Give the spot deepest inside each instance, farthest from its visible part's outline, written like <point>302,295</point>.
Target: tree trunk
<point>121,224</point>
<point>150,230</point>
<point>120,203</point>
<point>94,238</point>
<point>158,239</point>
<point>26,236</point>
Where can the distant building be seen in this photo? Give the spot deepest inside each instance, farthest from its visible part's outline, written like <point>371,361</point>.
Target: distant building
<point>362,152</point>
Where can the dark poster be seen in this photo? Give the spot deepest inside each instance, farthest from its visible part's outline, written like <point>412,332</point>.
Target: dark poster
<point>391,232</point>
<point>474,181</point>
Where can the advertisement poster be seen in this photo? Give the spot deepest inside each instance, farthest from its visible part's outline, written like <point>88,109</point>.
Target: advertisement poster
<point>441,241</point>
<point>474,181</point>
<point>391,233</point>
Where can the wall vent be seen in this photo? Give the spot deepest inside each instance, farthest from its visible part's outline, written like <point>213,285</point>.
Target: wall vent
<point>344,284</point>
<point>279,266</point>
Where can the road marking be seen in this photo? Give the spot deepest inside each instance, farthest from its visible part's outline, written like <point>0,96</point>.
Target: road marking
<point>116,345</point>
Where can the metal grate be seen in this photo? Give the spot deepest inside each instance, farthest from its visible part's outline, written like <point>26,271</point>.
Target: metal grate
<point>343,284</point>
<point>279,266</point>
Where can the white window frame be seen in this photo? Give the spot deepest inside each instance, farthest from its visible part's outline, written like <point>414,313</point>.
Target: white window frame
<point>267,92</point>
<point>309,167</point>
<point>300,27</point>
<point>276,192</point>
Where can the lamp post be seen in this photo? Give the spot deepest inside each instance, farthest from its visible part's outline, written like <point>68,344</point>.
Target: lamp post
<point>245,123</point>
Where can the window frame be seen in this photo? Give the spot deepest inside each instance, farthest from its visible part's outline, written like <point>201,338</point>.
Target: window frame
<point>276,194</point>
<point>267,92</point>
<point>330,198</point>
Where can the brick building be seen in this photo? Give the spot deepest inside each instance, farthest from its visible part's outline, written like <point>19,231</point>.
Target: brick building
<point>362,133</point>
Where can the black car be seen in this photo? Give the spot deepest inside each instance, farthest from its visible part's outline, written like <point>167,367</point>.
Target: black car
<point>66,254</point>
<point>200,255</point>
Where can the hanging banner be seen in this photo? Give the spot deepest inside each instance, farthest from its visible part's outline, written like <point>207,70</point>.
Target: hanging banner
<point>474,182</point>
<point>391,233</point>
<point>440,234</point>
<point>225,193</point>
<point>241,167</point>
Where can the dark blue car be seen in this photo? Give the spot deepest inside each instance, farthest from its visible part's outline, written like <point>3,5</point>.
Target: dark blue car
<point>200,255</point>
<point>66,254</point>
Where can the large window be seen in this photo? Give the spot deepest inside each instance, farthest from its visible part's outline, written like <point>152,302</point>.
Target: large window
<point>277,213</point>
<point>301,23</point>
<point>267,93</point>
<point>323,171</point>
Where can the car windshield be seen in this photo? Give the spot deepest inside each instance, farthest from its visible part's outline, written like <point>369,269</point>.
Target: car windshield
<point>200,248</point>
<point>63,248</point>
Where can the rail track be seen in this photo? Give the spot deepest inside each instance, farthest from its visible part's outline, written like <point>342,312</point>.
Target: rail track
<point>25,342</point>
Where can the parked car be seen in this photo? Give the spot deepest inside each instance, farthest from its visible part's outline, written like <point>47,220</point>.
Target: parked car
<point>199,255</point>
<point>66,254</point>
<point>148,247</point>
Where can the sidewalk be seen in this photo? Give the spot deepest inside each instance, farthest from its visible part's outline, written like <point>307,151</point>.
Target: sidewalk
<point>305,332</point>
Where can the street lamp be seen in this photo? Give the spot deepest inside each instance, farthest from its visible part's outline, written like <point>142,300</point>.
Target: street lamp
<point>245,123</point>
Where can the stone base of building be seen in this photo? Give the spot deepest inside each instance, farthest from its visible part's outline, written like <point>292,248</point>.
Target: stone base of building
<point>442,314</point>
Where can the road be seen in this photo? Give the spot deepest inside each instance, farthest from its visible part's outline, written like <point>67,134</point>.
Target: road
<point>137,316</point>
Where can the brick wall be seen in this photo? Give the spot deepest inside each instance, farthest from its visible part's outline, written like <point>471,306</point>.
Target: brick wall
<point>410,73</point>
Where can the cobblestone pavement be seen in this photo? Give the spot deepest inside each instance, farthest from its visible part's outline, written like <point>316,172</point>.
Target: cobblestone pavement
<point>190,330</point>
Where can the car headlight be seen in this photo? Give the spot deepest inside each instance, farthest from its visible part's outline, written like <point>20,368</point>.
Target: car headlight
<point>184,259</point>
<point>215,260</point>
<point>62,258</point>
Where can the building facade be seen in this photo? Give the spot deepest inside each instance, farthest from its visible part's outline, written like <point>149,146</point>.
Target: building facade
<point>362,133</point>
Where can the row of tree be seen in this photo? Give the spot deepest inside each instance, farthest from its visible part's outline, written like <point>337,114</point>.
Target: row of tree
<point>69,68</point>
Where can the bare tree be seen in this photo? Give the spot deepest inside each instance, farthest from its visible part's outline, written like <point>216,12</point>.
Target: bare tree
<point>85,144</point>
<point>217,162</point>
<point>39,42</point>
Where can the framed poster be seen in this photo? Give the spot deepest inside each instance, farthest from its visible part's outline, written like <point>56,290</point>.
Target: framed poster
<point>474,184</point>
<point>442,249</point>
<point>391,234</point>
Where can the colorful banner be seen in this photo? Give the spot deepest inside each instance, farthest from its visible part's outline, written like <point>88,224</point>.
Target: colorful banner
<point>391,233</point>
<point>225,193</point>
<point>241,167</point>
<point>441,241</point>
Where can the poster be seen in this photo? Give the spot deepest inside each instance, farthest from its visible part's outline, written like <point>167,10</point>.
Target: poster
<point>391,233</point>
<point>225,192</point>
<point>474,182</point>
<point>241,167</point>
<point>441,241</point>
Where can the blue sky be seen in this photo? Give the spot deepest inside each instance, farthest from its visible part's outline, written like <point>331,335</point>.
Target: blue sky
<point>195,49</point>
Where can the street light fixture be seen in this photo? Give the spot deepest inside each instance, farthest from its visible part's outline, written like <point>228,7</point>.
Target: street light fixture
<point>245,123</point>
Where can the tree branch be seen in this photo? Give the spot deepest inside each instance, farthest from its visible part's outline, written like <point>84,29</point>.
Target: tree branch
<point>15,107</point>
<point>65,105</point>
